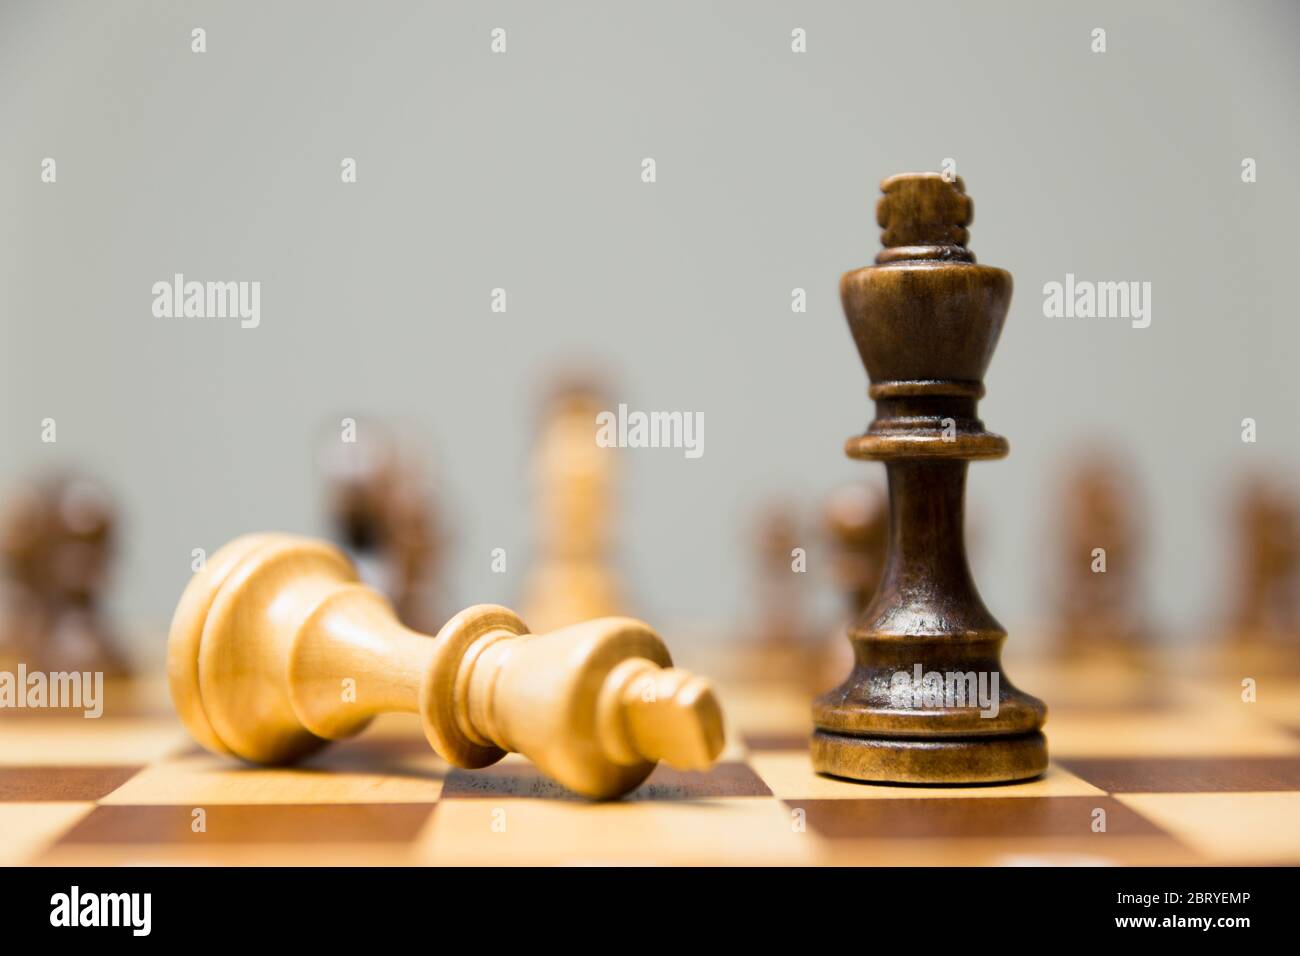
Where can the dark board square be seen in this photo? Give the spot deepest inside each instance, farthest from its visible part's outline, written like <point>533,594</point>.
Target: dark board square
<point>970,817</point>
<point>269,823</point>
<point>387,759</point>
<point>1188,774</point>
<point>503,780</point>
<point>776,741</point>
<point>364,746</point>
<point>42,784</point>
<point>723,780</point>
<point>664,784</point>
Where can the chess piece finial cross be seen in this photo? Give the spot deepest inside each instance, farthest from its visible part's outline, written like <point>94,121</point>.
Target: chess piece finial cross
<point>924,216</point>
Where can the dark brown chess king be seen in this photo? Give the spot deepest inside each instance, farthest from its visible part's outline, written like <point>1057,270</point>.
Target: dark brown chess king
<point>926,319</point>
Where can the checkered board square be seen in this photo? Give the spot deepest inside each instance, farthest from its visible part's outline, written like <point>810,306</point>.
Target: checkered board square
<point>1197,776</point>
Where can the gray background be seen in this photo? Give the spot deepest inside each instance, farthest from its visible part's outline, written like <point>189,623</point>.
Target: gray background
<point>522,170</point>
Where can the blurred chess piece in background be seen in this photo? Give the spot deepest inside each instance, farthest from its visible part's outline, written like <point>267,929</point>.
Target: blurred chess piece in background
<point>572,577</point>
<point>856,524</point>
<point>56,542</point>
<point>1099,557</point>
<point>775,641</point>
<point>1265,610</point>
<point>382,513</point>
<point>777,543</point>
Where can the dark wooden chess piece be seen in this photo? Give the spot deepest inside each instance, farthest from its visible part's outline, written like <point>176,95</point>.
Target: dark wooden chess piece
<point>781,621</point>
<point>777,635</point>
<point>56,539</point>
<point>382,514</point>
<point>1097,606</point>
<point>857,523</point>
<point>925,320</point>
<point>1266,611</point>
<point>25,615</point>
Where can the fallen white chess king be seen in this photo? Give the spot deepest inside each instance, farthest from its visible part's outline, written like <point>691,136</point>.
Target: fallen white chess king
<point>276,649</point>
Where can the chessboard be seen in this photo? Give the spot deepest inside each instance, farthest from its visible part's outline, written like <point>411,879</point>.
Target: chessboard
<point>1150,765</point>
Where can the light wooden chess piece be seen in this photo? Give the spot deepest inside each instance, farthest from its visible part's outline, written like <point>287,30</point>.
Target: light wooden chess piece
<point>573,578</point>
<point>276,649</point>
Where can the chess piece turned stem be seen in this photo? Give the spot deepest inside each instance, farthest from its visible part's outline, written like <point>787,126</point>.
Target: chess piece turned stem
<point>276,649</point>
<point>925,320</point>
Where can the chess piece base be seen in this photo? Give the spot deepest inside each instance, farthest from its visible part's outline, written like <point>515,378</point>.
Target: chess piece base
<point>930,760</point>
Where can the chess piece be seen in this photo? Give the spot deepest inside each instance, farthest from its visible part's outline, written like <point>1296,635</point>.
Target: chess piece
<point>572,578</point>
<point>22,533</point>
<point>781,622</point>
<point>777,639</point>
<point>384,519</point>
<point>856,524</point>
<point>276,649</point>
<point>1097,596</point>
<point>925,320</point>
<point>56,539</point>
<point>1266,611</point>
